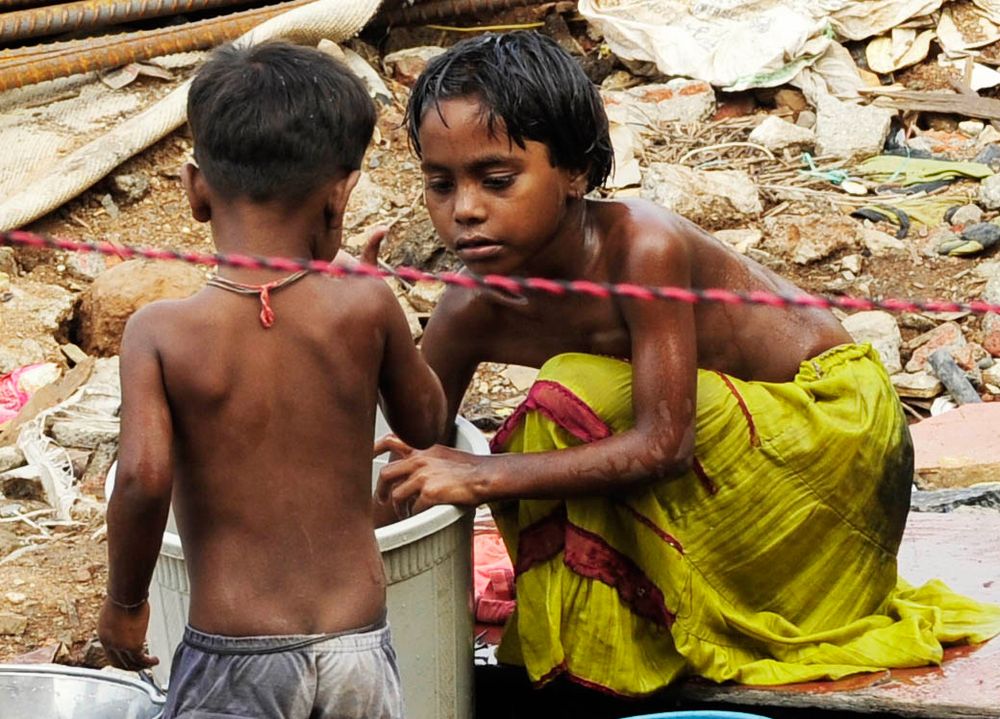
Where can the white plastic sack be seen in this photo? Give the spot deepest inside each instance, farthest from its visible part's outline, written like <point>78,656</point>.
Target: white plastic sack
<point>739,44</point>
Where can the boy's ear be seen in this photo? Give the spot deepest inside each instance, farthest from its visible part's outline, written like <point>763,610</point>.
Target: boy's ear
<point>197,192</point>
<point>578,183</point>
<point>340,193</point>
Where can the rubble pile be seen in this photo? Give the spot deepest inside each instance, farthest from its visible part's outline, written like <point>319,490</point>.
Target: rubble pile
<point>871,168</point>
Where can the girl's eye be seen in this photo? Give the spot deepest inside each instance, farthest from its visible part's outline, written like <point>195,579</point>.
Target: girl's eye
<point>438,186</point>
<point>498,182</point>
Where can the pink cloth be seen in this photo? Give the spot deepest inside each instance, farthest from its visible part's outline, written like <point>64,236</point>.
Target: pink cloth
<point>493,577</point>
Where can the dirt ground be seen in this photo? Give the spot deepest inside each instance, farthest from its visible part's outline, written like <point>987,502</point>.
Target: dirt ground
<point>59,585</point>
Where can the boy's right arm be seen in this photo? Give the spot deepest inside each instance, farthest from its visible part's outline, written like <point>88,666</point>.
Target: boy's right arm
<point>412,398</point>
<point>138,507</point>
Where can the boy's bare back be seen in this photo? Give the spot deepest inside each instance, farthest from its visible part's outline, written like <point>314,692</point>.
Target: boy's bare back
<point>271,437</point>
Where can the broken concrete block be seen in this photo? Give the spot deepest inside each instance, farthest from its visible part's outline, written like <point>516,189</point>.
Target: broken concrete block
<point>424,296</point>
<point>740,240</point>
<point>120,291</point>
<point>991,322</point>
<point>713,199</point>
<point>626,171</point>
<point>680,100</point>
<point>880,330</point>
<point>520,378</point>
<point>808,239</point>
<point>849,131</point>
<point>989,192</point>
<point>406,65</point>
<point>85,434</point>
<point>947,335</point>
<point>967,215</point>
<point>777,134</point>
<point>85,266</point>
<point>129,188</point>
<point>917,385</point>
<point>957,448</point>
<point>8,262</point>
<point>945,500</point>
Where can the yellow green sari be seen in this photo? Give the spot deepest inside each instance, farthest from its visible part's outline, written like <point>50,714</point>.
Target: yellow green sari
<point>772,561</point>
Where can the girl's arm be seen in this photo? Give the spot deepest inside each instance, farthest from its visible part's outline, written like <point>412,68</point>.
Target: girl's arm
<point>664,359</point>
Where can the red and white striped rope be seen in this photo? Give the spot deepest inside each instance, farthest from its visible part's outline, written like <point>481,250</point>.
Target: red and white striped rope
<point>517,285</point>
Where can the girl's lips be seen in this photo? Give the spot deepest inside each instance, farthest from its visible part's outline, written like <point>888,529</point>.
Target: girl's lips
<point>478,250</point>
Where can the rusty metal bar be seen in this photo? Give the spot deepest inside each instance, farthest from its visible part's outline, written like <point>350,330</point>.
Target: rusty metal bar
<point>116,50</point>
<point>91,14</point>
<point>444,9</point>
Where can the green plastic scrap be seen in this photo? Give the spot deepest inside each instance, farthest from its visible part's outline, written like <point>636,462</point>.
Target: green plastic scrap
<point>928,210</point>
<point>907,171</point>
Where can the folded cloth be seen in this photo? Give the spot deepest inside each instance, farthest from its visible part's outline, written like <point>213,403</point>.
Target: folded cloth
<point>772,561</point>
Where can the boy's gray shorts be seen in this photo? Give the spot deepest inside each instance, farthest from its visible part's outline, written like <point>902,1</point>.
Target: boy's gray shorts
<point>327,676</point>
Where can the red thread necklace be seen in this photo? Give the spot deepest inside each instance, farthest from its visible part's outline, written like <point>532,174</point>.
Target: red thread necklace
<point>264,291</point>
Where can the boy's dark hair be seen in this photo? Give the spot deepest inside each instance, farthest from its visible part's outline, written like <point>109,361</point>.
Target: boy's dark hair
<point>533,86</point>
<point>276,120</point>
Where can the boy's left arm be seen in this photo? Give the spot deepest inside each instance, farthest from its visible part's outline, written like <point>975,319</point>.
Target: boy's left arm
<point>138,507</point>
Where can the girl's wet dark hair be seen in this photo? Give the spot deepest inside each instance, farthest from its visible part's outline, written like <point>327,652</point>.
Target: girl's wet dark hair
<point>275,120</point>
<point>531,85</point>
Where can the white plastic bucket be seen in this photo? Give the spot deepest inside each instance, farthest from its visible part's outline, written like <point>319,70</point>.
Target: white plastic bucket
<point>428,567</point>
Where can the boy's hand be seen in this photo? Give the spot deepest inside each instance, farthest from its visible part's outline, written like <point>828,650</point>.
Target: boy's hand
<point>123,634</point>
<point>369,255</point>
<point>423,478</point>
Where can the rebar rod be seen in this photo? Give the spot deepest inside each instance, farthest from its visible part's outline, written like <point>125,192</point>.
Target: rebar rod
<point>445,9</point>
<point>117,50</point>
<point>92,14</point>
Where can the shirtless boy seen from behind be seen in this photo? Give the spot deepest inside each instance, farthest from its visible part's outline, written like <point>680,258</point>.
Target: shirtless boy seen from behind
<point>255,412</point>
<point>711,489</point>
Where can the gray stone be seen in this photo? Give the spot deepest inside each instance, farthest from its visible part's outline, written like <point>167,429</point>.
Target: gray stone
<point>989,192</point>
<point>18,352</point>
<point>852,263</point>
<point>807,119</point>
<point>130,188</point>
<point>406,65</point>
<point>777,134</point>
<point>424,296</point>
<point>945,500</point>
<point>967,215</point>
<point>987,270</point>
<point>712,199</point>
<point>85,266</point>
<point>680,100</point>
<point>22,483</point>
<point>86,434</point>
<point>972,128</point>
<point>881,244</point>
<point>880,330</point>
<point>12,624</point>
<point>849,131</point>
<point>811,238</point>
<point>10,457</point>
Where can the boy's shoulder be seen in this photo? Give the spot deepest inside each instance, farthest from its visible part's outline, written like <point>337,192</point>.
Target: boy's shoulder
<point>636,230</point>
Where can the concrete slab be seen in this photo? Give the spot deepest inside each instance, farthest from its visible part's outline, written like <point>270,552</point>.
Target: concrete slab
<point>958,448</point>
<point>959,548</point>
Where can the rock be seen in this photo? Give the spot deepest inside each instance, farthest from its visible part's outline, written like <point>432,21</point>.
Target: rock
<point>366,200</point>
<point>947,335</point>
<point>852,263</point>
<point>991,375</point>
<point>957,448</point>
<point>74,354</point>
<point>680,100</point>
<point>17,352</point>
<point>120,291</point>
<point>92,479</point>
<point>914,321</point>
<point>881,244</point>
<point>406,65</point>
<point>22,483</point>
<point>520,378</point>
<point>989,192</point>
<point>85,266</point>
<point>808,239</point>
<point>991,322</point>
<point>807,119</point>
<point>969,356</point>
<point>791,99</point>
<point>879,329</point>
<point>424,296</point>
<point>967,215</point>
<point>777,134</point>
<point>129,189</point>
<point>712,199</point>
<point>945,500</point>
<point>8,540</point>
<point>987,270</point>
<point>972,128</point>
<point>15,597</point>
<point>740,240</point>
<point>625,172</point>
<point>917,385</point>
<point>8,262</point>
<point>12,625</point>
<point>10,458</point>
<point>848,131</point>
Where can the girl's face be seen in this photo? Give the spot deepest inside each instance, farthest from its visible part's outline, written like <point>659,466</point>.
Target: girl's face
<point>496,205</point>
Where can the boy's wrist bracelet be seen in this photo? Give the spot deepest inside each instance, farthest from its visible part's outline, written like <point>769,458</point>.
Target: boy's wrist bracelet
<point>127,607</point>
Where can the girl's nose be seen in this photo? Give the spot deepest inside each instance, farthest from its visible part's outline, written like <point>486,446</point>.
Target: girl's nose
<point>469,206</point>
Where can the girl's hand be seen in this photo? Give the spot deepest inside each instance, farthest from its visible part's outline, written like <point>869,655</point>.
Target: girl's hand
<point>423,478</point>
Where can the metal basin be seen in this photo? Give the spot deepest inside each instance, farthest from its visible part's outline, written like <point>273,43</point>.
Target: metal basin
<point>48,691</point>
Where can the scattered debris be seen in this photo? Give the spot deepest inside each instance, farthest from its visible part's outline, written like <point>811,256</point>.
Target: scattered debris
<point>957,448</point>
<point>713,199</point>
